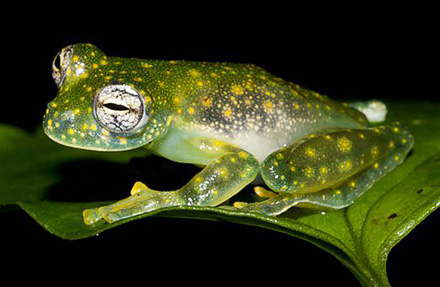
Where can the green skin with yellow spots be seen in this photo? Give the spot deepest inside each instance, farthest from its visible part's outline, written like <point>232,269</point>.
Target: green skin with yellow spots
<point>236,120</point>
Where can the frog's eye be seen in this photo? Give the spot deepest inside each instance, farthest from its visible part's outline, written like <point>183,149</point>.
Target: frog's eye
<point>60,64</point>
<point>120,109</point>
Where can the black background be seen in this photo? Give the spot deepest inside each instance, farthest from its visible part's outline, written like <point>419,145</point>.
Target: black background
<point>358,54</point>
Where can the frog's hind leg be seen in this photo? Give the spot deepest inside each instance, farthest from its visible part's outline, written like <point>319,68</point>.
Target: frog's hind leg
<point>331,169</point>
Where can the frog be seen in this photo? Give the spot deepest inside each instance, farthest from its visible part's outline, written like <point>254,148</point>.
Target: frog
<point>238,122</point>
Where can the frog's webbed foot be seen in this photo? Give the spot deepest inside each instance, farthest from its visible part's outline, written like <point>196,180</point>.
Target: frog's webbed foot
<point>142,200</point>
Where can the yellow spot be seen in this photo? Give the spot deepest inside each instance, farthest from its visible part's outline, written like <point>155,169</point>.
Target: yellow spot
<point>323,170</point>
<point>71,131</point>
<point>396,158</point>
<point>338,192</point>
<point>206,102</point>
<point>105,132</point>
<point>95,66</point>
<point>375,151</point>
<point>293,169</point>
<point>268,106</point>
<point>93,54</point>
<point>76,111</point>
<point>353,184</point>
<point>191,110</point>
<point>243,154</point>
<point>376,165</point>
<point>200,83</point>
<point>108,77</point>
<point>238,90</point>
<point>310,152</point>
<point>63,137</point>
<point>279,156</point>
<point>295,182</point>
<point>327,137</point>
<point>404,141</point>
<point>138,79</point>
<point>224,172</point>
<point>233,160</point>
<point>308,171</point>
<point>54,105</point>
<point>344,144</point>
<point>194,73</point>
<point>391,144</point>
<point>57,125</point>
<point>345,166</point>
<point>396,129</point>
<point>282,177</point>
<point>296,106</point>
<point>49,122</point>
<point>172,62</point>
<point>275,163</point>
<point>103,62</point>
<point>228,112</point>
<point>214,75</point>
<point>123,141</point>
<point>93,127</point>
<point>179,111</point>
<point>89,110</point>
<point>75,58</point>
<point>85,127</point>
<point>362,136</point>
<point>146,65</point>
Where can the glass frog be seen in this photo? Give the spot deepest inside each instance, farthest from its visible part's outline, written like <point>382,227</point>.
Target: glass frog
<point>241,123</point>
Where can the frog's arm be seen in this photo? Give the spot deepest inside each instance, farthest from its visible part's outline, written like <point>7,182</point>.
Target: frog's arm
<point>330,170</point>
<point>226,175</point>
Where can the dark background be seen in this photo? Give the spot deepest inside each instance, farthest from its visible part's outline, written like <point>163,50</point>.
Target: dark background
<point>351,55</point>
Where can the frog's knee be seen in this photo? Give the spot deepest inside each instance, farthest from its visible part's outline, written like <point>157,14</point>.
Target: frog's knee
<point>374,110</point>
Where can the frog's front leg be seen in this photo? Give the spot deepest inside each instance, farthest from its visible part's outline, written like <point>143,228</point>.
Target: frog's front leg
<point>218,181</point>
<point>332,168</point>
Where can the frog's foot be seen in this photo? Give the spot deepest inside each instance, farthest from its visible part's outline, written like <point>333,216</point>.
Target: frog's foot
<point>142,200</point>
<point>264,193</point>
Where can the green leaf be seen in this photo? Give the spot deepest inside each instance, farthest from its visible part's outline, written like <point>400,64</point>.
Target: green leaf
<point>53,184</point>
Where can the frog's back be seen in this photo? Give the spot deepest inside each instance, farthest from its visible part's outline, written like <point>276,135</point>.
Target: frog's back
<point>245,105</point>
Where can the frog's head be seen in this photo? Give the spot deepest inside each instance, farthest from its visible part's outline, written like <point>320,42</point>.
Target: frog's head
<point>100,103</point>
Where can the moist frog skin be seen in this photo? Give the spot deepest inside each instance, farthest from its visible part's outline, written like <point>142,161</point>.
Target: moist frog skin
<point>242,124</point>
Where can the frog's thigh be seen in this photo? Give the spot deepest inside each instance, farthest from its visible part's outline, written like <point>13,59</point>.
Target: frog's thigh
<point>217,182</point>
<point>332,168</point>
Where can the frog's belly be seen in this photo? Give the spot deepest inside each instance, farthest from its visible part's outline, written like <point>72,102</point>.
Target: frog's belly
<point>184,146</point>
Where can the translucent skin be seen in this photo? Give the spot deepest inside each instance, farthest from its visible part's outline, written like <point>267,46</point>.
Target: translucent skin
<point>238,120</point>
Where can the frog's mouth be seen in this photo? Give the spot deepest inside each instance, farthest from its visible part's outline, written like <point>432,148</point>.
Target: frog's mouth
<point>80,131</point>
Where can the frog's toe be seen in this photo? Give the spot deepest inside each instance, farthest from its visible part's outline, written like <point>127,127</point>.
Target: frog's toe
<point>139,187</point>
<point>91,216</point>
<point>264,193</point>
<point>240,204</point>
